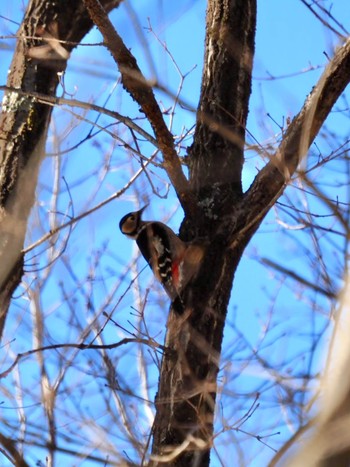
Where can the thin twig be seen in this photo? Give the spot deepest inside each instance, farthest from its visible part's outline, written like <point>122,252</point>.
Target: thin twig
<point>140,90</point>
<point>82,346</point>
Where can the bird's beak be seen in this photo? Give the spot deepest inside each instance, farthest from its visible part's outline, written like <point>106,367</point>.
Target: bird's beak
<point>142,209</point>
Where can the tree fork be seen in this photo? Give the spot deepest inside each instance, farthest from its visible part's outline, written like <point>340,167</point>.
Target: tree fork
<point>185,403</point>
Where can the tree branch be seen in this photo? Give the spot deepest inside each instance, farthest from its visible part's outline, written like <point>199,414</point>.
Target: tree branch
<point>126,340</point>
<point>297,277</point>
<point>139,89</point>
<point>56,101</point>
<point>38,58</point>
<point>10,447</point>
<point>185,403</point>
<point>217,151</point>
<point>273,178</point>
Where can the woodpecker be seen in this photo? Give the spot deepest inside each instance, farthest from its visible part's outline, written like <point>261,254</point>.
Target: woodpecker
<point>173,262</point>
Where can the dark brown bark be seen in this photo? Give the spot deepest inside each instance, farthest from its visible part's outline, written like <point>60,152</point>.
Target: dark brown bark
<point>217,153</point>
<point>24,122</point>
<point>10,448</point>
<point>185,403</point>
<point>186,398</point>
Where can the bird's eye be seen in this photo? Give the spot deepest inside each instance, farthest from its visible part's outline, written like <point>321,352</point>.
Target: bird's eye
<point>132,218</point>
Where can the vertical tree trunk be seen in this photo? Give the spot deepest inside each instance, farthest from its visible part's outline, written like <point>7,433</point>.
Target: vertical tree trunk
<point>37,62</point>
<point>185,403</point>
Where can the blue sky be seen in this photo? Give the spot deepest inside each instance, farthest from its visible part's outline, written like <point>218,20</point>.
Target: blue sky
<point>289,41</point>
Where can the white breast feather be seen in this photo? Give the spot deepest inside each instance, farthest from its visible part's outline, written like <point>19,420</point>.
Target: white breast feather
<point>158,245</point>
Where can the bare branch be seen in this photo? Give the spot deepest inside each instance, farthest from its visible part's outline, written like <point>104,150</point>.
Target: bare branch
<point>152,343</point>
<point>10,447</point>
<point>84,214</point>
<point>53,100</point>
<point>297,277</point>
<point>139,89</point>
<point>273,178</point>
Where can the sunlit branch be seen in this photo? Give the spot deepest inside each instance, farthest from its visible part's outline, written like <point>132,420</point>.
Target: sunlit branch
<point>138,87</point>
<point>55,101</point>
<point>269,184</point>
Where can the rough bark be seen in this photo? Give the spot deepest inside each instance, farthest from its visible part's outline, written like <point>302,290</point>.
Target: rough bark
<point>38,59</point>
<point>216,156</point>
<point>185,403</point>
<point>187,391</point>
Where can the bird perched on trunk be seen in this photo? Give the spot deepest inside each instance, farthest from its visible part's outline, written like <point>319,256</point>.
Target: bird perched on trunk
<point>173,262</point>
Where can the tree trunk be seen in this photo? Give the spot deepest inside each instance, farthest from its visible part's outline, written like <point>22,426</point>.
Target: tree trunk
<point>185,403</point>
<point>37,62</point>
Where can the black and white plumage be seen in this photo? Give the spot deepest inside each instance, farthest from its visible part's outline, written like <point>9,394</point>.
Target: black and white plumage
<point>171,260</point>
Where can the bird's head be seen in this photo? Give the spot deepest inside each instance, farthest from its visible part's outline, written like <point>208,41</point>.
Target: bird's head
<point>131,223</point>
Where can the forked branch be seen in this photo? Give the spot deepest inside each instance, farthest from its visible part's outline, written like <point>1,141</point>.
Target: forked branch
<point>273,178</point>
